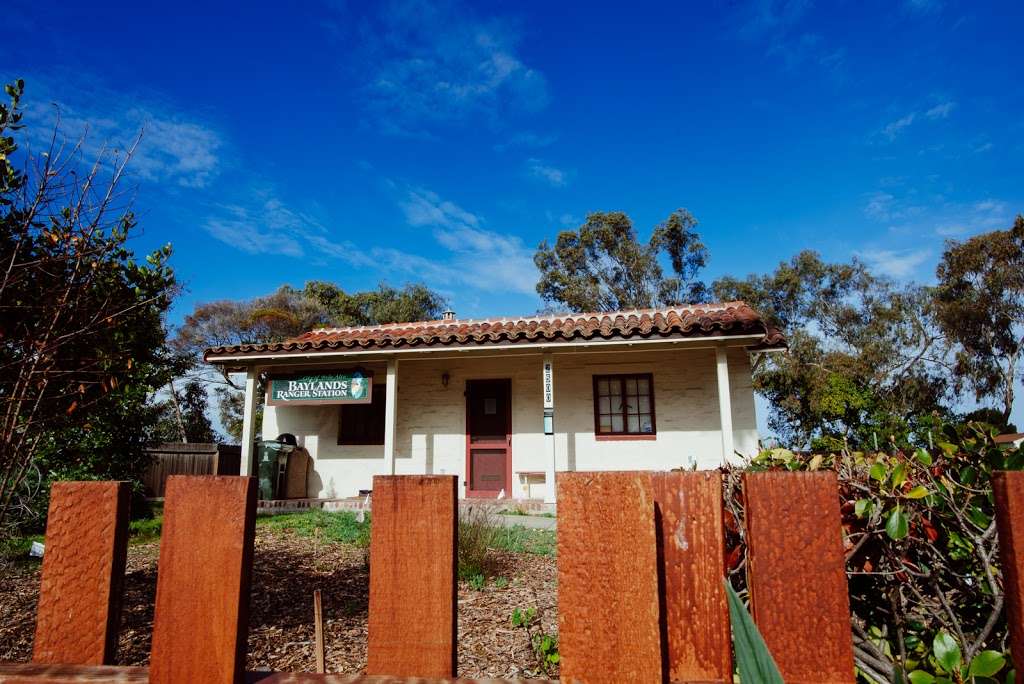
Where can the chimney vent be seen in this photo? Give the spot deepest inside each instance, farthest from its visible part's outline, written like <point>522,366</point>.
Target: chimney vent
<point>448,315</point>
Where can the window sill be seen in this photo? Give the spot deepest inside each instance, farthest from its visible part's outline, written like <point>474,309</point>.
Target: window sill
<point>626,438</point>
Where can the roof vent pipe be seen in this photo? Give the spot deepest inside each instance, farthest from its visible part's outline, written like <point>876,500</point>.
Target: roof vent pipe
<point>448,315</point>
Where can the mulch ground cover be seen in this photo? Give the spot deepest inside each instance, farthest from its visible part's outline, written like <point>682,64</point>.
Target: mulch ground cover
<point>287,569</point>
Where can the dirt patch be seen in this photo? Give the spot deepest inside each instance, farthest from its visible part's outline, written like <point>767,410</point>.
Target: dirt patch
<point>286,570</point>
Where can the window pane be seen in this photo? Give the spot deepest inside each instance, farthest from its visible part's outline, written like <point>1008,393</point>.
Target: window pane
<point>616,388</point>
<point>633,424</point>
<point>645,405</point>
<point>631,405</point>
<point>617,423</point>
<point>631,386</point>
<point>643,386</point>
<point>604,405</point>
<point>646,424</point>
<point>602,388</point>
<point>605,423</point>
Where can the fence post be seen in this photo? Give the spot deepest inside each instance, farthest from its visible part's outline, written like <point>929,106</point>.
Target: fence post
<point>797,576</point>
<point>1008,488</point>
<point>83,573</point>
<point>691,562</point>
<point>412,622</point>
<point>202,593</point>
<point>608,611</point>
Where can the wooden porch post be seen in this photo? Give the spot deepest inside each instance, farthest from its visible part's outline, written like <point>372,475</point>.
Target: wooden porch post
<point>248,421</point>
<point>724,403</point>
<point>548,388</point>
<point>390,411</point>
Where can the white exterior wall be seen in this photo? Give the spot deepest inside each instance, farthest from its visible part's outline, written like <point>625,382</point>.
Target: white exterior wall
<point>431,420</point>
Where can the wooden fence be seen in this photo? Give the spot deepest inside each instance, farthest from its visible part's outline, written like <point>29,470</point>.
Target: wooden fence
<point>189,458</point>
<point>640,577</point>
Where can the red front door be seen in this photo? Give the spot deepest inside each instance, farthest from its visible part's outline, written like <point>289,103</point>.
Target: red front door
<point>488,437</point>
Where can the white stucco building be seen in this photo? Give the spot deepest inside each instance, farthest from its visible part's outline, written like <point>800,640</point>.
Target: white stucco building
<point>505,403</point>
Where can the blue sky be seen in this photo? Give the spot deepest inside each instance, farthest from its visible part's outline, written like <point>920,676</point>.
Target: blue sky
<point>399,141</point>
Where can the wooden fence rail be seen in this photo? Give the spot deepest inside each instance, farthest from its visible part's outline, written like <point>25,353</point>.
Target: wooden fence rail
<point>640,570</point>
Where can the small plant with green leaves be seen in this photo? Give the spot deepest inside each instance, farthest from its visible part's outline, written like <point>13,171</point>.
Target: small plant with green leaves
<point>753,659</point>
<point>922,553</point>
<point>543,645</point>
<point>477,582</point>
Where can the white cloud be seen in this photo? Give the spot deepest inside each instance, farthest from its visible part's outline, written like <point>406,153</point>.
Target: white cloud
<point>525,140</point>
<point>896,264</point>
<point>978,217</point>
<point>778,24</point>
<point>923,6</point>
<point>174,148</point>
<point>894,128</point>
<point>768,16</point>
<point>477,257</point>
<point>884,207</point>
<point>941,110</point>
<point>438,62</point>
<point>551,175</point>
<point>425,208</point>
<point>263,224</point>
<point>923,211</point>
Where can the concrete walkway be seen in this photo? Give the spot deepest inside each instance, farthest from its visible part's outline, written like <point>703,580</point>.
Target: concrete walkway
<point>536,522</point>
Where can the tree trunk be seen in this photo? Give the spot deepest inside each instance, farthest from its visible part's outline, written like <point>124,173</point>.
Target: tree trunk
<point>177,413</point>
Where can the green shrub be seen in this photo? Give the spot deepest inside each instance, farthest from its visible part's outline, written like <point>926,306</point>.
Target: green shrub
<point>922,552</point>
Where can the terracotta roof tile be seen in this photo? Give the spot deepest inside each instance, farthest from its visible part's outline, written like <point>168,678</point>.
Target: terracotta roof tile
<point>705,320</point>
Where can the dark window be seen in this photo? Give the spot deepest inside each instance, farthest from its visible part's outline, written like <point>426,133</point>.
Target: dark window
<point>363,423</point>
<point>624,404</point>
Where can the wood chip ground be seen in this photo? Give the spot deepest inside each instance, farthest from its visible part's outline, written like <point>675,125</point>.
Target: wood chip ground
<point>286,570</point>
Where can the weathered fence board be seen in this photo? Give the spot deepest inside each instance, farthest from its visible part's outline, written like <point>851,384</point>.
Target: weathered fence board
<point>202,593</point>
<point>608,612</point>
<point>83,573</point>
<point>691,551</point>
<point>188,458</point>
<point>1008,488</point>
<point>796,574</point>
<point>412,622</point>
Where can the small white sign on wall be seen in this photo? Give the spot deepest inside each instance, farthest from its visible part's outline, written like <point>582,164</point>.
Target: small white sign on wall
<point>549,384</point>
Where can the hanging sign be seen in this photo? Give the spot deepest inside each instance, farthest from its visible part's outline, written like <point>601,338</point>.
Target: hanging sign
<point>345,387</point>
<point>549,384</point>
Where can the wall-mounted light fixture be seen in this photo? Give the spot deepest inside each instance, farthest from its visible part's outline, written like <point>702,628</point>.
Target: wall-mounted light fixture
<point>445,378</point>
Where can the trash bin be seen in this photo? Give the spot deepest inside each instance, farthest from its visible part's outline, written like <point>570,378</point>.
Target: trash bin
<point>271,462</point>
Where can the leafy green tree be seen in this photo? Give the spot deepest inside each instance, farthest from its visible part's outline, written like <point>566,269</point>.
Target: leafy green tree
<point>980,308</point>
<point>183,416</point>
<point>289,312</point>
<point>81,321</point>
<point>865,364</point>
<point>603,266</point>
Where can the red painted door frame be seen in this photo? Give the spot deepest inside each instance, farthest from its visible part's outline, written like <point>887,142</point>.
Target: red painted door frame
<point>504,444</point>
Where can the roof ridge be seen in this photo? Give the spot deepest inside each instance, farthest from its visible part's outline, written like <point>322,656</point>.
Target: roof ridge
<point>720,306</point>
<point>727,319</point>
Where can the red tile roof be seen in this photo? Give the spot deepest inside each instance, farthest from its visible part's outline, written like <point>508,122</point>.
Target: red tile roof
<point>705,320</point>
